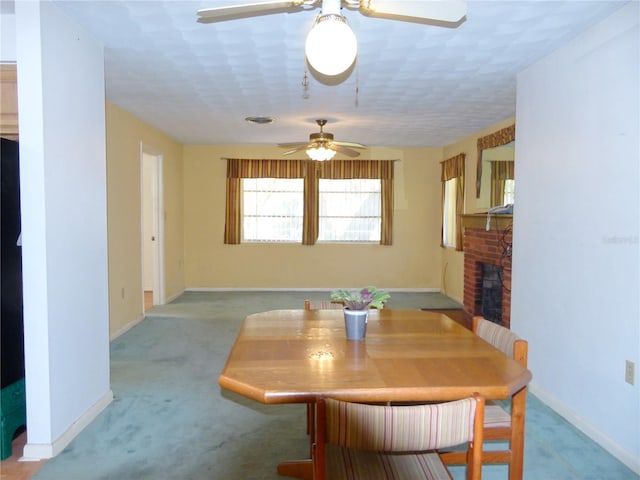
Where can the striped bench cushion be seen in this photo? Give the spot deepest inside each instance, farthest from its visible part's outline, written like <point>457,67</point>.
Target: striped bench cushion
<point>350,464</point>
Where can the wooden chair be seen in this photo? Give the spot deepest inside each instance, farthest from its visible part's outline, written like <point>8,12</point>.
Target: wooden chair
<point>322,305</point>
<point>497,420</point>
<point>372,442</point>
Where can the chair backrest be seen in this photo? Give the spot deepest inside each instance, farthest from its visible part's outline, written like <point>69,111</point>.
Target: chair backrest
<point>502,338</point>
<point>322,305</point>
<point>401,428</point>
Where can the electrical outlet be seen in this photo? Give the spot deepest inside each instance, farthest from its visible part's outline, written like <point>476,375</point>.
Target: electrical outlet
<point>630,372</point>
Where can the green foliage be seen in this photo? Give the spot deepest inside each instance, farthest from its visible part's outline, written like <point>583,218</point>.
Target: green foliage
<point>368,297</point>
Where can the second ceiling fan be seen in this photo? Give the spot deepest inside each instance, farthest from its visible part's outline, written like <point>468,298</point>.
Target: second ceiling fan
<point>322,146</point>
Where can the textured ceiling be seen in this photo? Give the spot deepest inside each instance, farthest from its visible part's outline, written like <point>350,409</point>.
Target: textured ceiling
<point>413,85</point>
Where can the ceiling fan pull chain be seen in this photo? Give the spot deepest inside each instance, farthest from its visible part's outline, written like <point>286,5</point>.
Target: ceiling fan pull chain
<point>357,82</point>
<point>305,85</point>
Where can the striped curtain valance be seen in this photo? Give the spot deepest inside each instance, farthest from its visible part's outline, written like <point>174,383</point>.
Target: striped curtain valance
<point>265,168</point>
<point>347,169</point>
<point>453,167</point>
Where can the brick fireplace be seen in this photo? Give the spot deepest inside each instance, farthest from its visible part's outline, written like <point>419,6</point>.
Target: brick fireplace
<point>487,256</point>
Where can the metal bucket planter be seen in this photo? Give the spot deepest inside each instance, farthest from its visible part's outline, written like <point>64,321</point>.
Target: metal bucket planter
<point>355,323</point>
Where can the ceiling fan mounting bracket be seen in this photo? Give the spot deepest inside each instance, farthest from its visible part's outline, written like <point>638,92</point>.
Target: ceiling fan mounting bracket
<point>321,137</point>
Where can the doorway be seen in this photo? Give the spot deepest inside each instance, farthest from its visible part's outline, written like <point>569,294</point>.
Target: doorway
<point>152,228</point>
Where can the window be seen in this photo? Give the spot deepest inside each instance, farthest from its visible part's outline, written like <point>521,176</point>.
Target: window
<point>509,192</point>
<point>350,210</point>
<point>279,201</point>
<point>452,178</point>
<point>449,213</point>
<point>272,209</point>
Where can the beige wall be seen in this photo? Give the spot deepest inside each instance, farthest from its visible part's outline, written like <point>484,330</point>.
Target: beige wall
<point>413,261</point>
<point>125,133</point>
<point>453,261</point>
<point>194,196</point>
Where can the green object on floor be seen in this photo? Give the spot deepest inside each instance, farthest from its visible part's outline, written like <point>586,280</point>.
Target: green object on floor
<point>13,413</point>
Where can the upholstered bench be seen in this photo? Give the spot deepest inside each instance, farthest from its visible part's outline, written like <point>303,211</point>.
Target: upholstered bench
<point>13,413</point>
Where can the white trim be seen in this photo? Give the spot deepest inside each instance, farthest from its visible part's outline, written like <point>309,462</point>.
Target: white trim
<point>34,452</point>
<point>618,451</point>
<point>159,279</point>
<point>135,322</point>
<point>455,299</point>
<point>319,289</point>
<point>173,297</point>
<point>126,328</point>
<point>158,221</point>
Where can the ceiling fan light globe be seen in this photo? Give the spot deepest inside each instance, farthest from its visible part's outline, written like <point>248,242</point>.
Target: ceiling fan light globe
<point>320,154</point>
<point>331,45</point>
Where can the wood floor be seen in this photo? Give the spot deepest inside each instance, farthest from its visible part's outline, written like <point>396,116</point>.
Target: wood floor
<point>12,469</point>
<point>148,300</point>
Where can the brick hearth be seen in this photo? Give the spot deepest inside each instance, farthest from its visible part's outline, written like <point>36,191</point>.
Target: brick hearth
<point>492,247</point>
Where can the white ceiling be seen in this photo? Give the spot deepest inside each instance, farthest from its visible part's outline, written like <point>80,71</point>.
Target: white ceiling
<point>414,84</point>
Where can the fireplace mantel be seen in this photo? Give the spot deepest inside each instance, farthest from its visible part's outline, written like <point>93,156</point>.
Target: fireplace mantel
<point>479,220</point>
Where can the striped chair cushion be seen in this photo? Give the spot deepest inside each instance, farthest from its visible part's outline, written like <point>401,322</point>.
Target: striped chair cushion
<point>323,305</point>
<point>495,416</point>
<point>500,337</point>
<point>348,464</point>
<point>399,429</point>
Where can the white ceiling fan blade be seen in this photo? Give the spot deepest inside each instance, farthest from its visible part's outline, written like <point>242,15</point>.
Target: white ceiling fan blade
<point>289,152</point>
<point>218,14</point>
<point>344,150</point>
<point>293,145</point>
<point>350,144</point>
<point>446,11</point>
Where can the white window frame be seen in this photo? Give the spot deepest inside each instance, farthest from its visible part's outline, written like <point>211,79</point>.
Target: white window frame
<point>449,213</point>
<point>509,192</point>
<point>266,208</point>
<point>337,218</point>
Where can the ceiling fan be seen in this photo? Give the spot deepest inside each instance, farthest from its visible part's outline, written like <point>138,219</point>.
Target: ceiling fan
<point>439,12</point>
<point>331,46</point>
<point>321,145</point>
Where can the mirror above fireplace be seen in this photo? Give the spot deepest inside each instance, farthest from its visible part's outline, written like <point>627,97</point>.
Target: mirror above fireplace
<point>495,168</point>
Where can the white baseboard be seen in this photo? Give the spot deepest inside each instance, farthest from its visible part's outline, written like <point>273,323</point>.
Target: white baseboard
<point>614,448</point>
<point>173,297</point>
<point>317,289</point>
<point>126,328</point>
<point>34,452</point>
<point>455,299</point>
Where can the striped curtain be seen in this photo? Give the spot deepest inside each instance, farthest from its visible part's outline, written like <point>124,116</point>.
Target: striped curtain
<point>310,222</point>
<point>500,171</point>
<point>454,168</point>
<point>311,171</point>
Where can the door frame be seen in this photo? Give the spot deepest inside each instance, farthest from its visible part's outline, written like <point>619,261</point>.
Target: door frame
<point>151,154</point>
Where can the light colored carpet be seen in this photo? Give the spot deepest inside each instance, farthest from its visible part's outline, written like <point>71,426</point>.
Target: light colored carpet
<point>171,420</point>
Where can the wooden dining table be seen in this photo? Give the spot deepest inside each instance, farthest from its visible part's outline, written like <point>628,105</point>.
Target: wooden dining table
<point>295,356</point>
